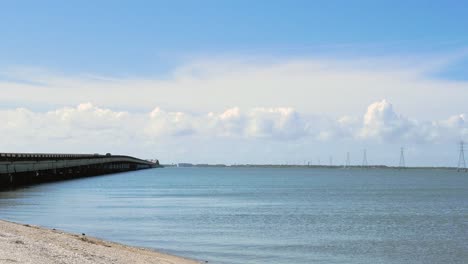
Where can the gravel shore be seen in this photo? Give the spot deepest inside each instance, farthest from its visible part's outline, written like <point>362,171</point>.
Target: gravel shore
<point>36,245</point>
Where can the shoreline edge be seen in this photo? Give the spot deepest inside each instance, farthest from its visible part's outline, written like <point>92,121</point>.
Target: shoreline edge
<point>24,243</point>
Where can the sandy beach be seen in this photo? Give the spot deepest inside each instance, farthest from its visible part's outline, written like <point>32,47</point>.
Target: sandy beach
<point>36,245</point>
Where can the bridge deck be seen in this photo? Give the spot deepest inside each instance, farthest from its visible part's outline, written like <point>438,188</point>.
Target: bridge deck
<point>28,168</point>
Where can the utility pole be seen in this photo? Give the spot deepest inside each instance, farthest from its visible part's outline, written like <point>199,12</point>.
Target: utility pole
<point>461,157</point>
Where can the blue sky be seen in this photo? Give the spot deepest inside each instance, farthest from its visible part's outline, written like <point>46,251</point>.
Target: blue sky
<point>144,37</point>
<point>273,81</point>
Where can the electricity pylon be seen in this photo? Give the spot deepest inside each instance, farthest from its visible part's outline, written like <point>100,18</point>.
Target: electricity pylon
<point>461,157</point>
<point>364,158</point>
<point>402,158</point>
<point>348,161</point>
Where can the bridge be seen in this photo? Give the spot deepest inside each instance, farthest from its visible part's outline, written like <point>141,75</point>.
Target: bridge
<point>18,169</point>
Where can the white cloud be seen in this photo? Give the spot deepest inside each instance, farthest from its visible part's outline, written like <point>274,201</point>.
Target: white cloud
<point>229,123</point>
<point>280,123</point>
<point>312,86</point>
<point>75,123</point>
<point>88,116</point>
<point>382,122</point>
<point>87,122</point>
<point>344,127</point>
<point>89,128</point>
<point>324,105</point>
<point>161,123</point>
<point>271,123</point>
<point>455,127</point>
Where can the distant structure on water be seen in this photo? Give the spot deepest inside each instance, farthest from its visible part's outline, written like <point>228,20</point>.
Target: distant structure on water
<point>461,157</point>
<point>348,161</point>
<point>402,158</point>
<point>364,159</point>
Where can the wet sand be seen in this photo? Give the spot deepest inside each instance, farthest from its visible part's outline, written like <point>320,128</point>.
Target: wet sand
<point>36,245</point>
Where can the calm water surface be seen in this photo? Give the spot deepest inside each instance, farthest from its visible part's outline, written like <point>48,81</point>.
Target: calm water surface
<point>246,215</point>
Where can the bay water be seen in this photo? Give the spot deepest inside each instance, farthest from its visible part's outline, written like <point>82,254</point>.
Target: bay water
<point>263,215</point>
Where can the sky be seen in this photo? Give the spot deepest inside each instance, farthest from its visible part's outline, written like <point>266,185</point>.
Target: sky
<point>281,82</point>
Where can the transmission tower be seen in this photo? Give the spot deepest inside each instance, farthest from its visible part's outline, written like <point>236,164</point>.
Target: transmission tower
<point>364,158</point>
<point>348,162</point>
<point>331,161</point>
<point>461,157</point>
<point>402,158</point>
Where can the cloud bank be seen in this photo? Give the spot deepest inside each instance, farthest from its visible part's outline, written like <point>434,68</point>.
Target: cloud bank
<point>87,122</point>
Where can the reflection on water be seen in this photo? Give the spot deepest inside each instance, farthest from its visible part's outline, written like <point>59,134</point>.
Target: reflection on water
<point>248,215</point>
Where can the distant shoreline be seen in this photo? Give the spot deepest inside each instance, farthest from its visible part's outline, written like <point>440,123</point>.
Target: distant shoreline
<point>190,165</point>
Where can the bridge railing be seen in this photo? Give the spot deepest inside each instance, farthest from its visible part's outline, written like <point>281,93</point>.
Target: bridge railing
<point>39,156</point>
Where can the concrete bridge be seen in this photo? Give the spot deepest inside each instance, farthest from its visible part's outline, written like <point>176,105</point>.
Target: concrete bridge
<point>18,169</point>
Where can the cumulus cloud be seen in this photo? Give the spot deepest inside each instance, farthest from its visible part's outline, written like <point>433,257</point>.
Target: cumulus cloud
<point>381,121</point>
<point>87,116</point>
<point>161,123</point>
<point>454,127</point>
<point>228,123</point>
<point>282,123</point>
<point>344,127</point>
<point>87,119</point>
<point>286,102</point>
<point>87,128</point>
<point>80,122</point>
